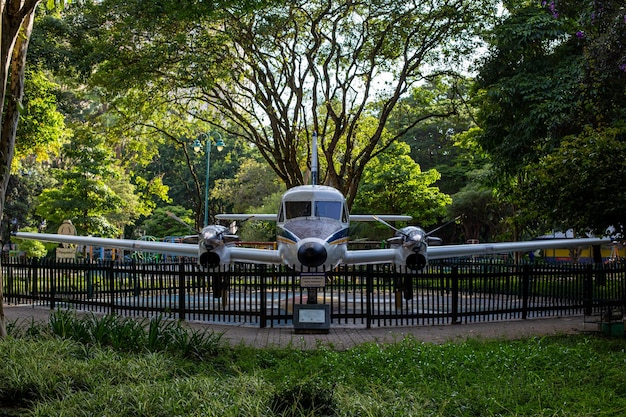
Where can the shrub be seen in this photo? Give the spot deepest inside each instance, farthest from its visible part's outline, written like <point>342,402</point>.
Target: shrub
<point>133,335</point>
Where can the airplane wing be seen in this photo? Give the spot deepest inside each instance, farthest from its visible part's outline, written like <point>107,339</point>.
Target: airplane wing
<point>231,253</point>
<point>375,218</point>
<point>369,256</point>
<point>181,249</point>
<point>252,255</point>
<point>450,251</point>
<point>242,217</point>
<point>399,254</point>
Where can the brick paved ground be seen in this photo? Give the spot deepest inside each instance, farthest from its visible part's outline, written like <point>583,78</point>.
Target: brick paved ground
<point>345,337</point>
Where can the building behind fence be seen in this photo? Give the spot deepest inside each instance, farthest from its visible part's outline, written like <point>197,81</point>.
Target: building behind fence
<point>364,296</point>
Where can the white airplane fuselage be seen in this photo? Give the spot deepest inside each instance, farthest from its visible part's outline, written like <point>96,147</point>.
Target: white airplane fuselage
<point>312,227</point>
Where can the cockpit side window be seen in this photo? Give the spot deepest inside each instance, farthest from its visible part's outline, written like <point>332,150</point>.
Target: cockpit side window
<point>281,214</point>
<point>331,209</point>
<point>295,209</point>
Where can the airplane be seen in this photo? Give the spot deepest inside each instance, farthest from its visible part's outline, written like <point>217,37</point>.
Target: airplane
<point>312,232</point>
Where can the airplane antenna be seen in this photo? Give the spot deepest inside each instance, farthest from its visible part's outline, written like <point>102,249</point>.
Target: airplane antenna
<point>314,160</point>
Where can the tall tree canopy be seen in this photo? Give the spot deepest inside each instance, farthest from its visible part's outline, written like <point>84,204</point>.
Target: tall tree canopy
<point>320,66</point>
<point>552,97</point>
<point>276,74</point>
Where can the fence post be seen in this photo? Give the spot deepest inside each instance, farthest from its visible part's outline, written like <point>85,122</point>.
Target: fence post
<point>261,273</point>
<point>53,278</point>
<point>89,283</point>
<point>525,290</point>
<point>9,287</point>
<point>369,294</point>
<point>216,285</point>
<point>33,280</point>
<point>182,290</point>
<point>455,294</point>
<point>588,291</point>
<point>111,278</point>
<point>135,278</point>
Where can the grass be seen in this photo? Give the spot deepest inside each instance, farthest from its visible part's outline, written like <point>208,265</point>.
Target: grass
<point>85,366</point>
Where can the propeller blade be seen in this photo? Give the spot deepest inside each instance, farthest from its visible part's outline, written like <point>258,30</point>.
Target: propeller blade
<point>443,225</point>
<point>389,226</point>
<point>181,221</point>
<point>378,219</point>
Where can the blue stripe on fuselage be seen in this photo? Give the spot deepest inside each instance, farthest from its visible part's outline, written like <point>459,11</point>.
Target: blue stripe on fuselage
<point>286,235</point>
<point>338,236</point>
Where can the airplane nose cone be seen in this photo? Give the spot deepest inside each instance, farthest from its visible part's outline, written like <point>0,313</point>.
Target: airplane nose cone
<point>312,254</point>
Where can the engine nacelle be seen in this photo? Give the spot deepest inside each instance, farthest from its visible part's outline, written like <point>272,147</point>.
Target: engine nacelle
<point>212,243</point>
<point>411,244</point>
<point>416,261</point>
<point>208,259</point>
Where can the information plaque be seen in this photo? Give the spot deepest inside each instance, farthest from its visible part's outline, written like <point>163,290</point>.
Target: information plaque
<point>312,280</point>
<point>311,318</point>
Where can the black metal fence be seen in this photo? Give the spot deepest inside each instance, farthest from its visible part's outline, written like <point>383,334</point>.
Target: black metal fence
<point>373,295</point>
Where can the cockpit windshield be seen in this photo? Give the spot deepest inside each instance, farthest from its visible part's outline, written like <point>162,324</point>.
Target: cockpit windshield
<point>331,209</point>
<point>295,209</point>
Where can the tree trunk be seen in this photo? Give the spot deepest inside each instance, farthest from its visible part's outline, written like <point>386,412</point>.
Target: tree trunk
<point>17,26</point>
<point>4,70</point>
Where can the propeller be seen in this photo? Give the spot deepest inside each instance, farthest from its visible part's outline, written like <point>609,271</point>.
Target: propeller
<point>409,233</point>
<point>212,234</point>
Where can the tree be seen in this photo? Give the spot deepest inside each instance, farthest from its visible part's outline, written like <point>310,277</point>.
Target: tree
<point>183,170</point>
<point>16,28</point>
<point>85,193</point>
<point>554,74</point>
<point>319,66</point>
<point>393,183</point>
<point>477,208</point>
<point>434,142</point>
<point>525,87</point>
<point>40,133</point>
<point>161,224</point>
<point>251,184</point>
<point>41,130</point>
<point>587,173</point>
<point>275,74</point>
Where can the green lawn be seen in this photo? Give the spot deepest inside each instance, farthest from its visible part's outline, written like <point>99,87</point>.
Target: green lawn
<point>123,371</point>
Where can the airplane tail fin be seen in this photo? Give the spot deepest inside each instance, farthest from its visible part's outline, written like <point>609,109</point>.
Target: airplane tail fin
<point>314,159</point>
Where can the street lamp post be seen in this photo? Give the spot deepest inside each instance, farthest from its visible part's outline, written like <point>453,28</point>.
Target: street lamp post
<point>197,147</point>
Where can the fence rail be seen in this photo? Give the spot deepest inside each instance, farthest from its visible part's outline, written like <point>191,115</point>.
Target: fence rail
<point>373,295</point>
